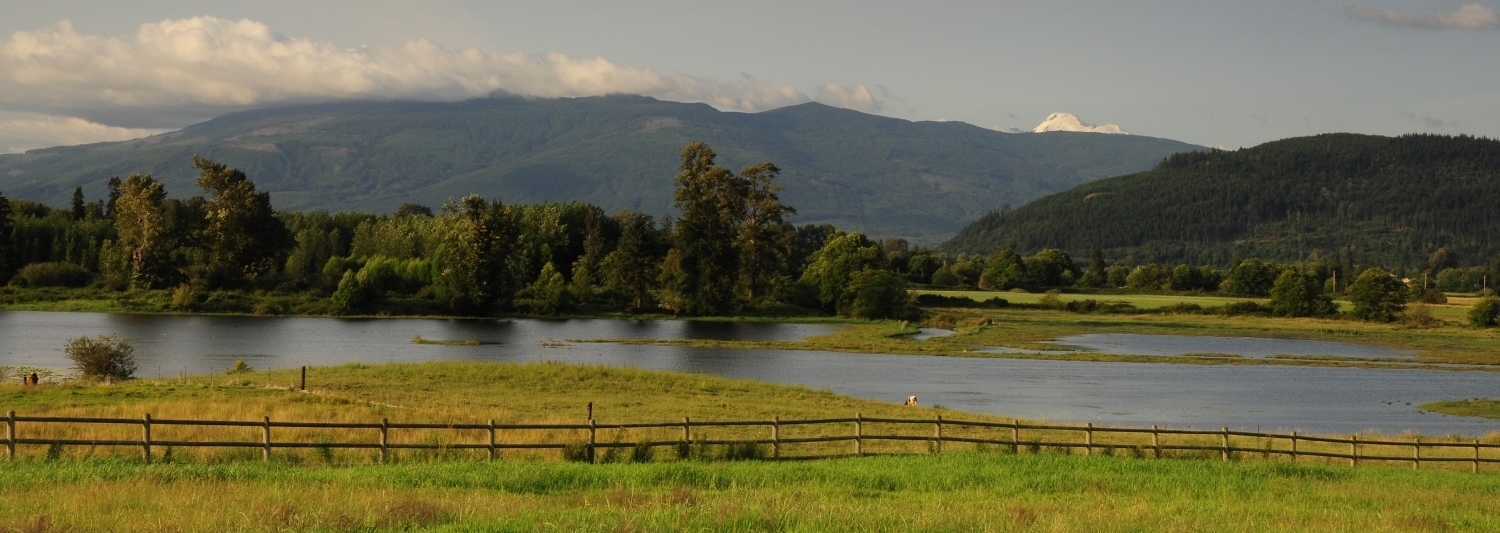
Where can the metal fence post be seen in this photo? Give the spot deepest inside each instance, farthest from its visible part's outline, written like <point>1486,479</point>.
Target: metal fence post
<point>1294,446</point>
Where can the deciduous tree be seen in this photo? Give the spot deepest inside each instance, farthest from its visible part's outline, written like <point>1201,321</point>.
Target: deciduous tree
<point>478,276</point>
<point>243,235</point>
<point>141,225</point>
<point>1299,295</point>
<point>1377,296</point>
<point>712,201</point>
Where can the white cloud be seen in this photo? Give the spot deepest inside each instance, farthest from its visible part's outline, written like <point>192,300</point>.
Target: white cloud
<point>20,132</point>
<point>857,97</point>
<point>176,72</point>
<point>1467,17</point>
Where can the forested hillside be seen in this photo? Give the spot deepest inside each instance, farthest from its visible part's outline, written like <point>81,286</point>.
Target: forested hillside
<point>884,176</point>
<point>1357,199</point>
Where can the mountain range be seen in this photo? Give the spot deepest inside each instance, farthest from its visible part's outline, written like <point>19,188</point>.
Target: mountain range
<point>885,176</point>
<point>1359,199</point>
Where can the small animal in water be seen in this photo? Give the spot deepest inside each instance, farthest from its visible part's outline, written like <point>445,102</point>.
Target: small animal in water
<point>911,400</point>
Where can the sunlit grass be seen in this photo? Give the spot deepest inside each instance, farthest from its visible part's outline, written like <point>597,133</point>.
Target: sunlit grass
<point>954,492</point>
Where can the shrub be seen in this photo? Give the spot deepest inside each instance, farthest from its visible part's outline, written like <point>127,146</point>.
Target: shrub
<point>1485,312</point>
<point>1433,296</point>
<point>57,274</point>
<point>104,356</point>
<point>1419,316</point>
<point>746,451</point>
<point>578,452</point>
<point>643,452</point>
<point>1244,308</point>
<point>240,367</point>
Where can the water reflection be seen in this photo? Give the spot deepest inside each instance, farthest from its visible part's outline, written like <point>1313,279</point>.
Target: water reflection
<point>1265,397</point>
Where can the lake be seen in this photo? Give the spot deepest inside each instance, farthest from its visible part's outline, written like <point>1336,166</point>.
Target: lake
<point>1283,398</point>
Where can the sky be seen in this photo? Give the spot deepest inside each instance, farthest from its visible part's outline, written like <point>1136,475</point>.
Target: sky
<point>1223,74</point>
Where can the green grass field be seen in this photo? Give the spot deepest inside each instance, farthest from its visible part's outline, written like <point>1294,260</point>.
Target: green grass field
<point>964,489</point>
<point>957,492</point>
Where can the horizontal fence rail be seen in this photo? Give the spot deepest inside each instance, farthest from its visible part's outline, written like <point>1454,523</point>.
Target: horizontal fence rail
<point>856,431</point>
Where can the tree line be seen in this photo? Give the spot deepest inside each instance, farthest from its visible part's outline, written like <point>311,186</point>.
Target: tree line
<point>731,250</point>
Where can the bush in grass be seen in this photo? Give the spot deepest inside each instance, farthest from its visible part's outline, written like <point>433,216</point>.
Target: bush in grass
<point>56,274</point>
<point>643,452</point>
<point>747,451</point>
<point>1244,308</point>
<point>240,367</point>
<point>104,356</point>
<point>577,452</point>
<point>1485,312</point>
<point>1419,316</point>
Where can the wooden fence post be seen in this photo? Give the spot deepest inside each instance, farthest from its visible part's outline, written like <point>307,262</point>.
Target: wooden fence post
<point>146,437</point>
<point>265,450</point>
<point>10,435</point>
<point>859,434</point>
<point>937,434</point>
<point>1224,453</point>
<point>1354,450</point>
<point>1416,453</point>
<point>1476,456</point>
<point>304,379</point>
<point>385,442</point>
<point>1156,441</point>
<point>1088,439</point>
<point>687,435</point>
<point>492,439</point>
<point>776,437</point>
<point>593,439</point>
<point>1294,446</point>
<point>1015,436</point>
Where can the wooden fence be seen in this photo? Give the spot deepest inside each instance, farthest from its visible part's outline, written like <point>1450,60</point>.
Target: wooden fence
<point>859,432</point>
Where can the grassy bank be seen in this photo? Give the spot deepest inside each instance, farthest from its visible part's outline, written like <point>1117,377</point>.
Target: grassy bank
<point>957,492</point>
<point>1030,329</point>
<point>1477,407</point>
<point>85,488</point>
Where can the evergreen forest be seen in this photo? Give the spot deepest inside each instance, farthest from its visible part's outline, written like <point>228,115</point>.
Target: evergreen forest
<point>1342,198</point>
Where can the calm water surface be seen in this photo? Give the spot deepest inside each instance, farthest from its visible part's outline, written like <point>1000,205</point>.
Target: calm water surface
<point>1133,344</point>
<point>1251,397</point>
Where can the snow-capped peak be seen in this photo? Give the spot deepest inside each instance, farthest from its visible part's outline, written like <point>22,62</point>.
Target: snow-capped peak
<point>1070,122</point>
